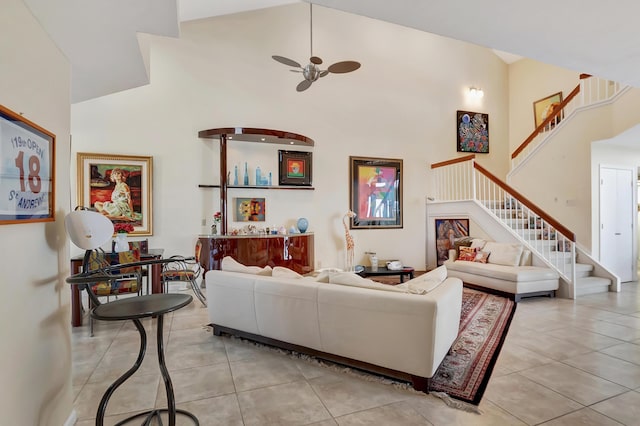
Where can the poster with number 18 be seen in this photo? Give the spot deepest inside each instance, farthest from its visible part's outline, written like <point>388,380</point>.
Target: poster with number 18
<point>26,170</point>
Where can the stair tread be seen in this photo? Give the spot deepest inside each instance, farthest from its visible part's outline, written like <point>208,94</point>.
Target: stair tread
<point>592,281</point>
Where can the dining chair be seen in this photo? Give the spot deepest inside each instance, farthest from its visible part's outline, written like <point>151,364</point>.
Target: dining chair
<point>187,270</point>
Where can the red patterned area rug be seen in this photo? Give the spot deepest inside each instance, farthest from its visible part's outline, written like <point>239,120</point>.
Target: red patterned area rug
<point>484,322</point>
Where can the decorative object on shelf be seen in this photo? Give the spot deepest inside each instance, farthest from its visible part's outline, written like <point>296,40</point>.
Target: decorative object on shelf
<point>246,174</point>
<point>448,231</point>
<point>375,192</point>
<point>119,187</point>
<point>216,220</point>
<point>546,107</point>
<point>235,175</point>
<point>27,180</point>
<point>303,225</point>
<point>295,167</point>
<point>473,132</point>
<point>270,181</point>
<point>258,176</point>
<point>250,209</point>
<point>312,72</point>
<point>122,230</point>
<point>373,260</point>
<point>349,240</point>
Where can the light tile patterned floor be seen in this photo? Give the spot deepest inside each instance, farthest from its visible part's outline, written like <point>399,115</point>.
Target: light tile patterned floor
<point>563,363</point>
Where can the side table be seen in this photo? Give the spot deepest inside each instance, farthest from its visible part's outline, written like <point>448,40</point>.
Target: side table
<point>135,308</point>
<point>384,271</point>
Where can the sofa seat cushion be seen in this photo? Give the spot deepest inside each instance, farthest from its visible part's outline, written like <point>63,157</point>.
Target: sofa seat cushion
<point>502,272</point>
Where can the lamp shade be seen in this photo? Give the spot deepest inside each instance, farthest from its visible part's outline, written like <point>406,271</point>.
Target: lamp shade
<point>88,230</point>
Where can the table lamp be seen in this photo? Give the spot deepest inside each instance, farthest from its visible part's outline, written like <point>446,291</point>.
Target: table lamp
<point>88,230</point>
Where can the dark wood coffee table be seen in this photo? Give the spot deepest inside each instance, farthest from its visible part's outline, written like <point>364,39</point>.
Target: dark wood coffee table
<point>383,271</point>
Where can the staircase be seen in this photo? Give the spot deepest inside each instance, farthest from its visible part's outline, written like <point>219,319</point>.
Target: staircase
<point>552,244</point>
<point>534,233</point>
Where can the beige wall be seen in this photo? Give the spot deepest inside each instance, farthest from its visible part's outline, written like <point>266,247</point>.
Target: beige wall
<point>530,81</point>
<point>35,360</point>
<point>400,104</point>
<point>562,177</point>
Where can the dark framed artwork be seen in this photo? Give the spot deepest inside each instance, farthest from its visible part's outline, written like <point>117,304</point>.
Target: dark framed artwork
<point>250,209</point>
<point>472,129</point>
<point>447,232</point>
<point>27,170</point>
<point>375,192</point>
<point>545,107</point>
<point>118,186</point>
<point>295,168</point>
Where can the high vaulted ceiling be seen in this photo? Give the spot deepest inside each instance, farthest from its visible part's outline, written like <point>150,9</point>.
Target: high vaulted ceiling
<point>590,36</point>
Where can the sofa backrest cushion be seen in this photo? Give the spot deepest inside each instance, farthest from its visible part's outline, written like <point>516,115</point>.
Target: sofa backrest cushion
<point>504,253</point>
<point>355,280</point>
<point>427,282</point>
<point>282,272</point>
<point>229,264</point>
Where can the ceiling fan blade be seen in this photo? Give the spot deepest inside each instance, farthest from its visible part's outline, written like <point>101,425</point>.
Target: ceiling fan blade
<point>315,60</point>
<point>303,85</point>
<point>286,61</point>
<point>323,73</point>
<point>343,67</point>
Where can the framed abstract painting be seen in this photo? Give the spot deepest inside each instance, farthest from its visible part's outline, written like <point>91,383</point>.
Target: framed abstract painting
<point>295,168</point>
<point>472,129</point>
<point>250,209</point>
<point>447,232</point>
<point>375,192</point>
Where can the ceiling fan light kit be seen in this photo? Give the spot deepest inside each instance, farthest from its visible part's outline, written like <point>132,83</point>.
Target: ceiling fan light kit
<point>312,72</point>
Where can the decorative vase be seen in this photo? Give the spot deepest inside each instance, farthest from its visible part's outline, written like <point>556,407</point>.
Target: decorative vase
<point>214,229</point>
<point>303,224</point>
<point>121,242</point>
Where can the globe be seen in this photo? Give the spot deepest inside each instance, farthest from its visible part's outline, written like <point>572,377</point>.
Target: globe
<point>303,224</point>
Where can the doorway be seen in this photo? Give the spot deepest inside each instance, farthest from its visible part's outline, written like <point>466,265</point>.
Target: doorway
<point>617,221</point>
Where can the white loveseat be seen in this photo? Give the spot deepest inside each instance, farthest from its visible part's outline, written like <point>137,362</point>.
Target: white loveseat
<point>507,270</point>
<point>392,332</point>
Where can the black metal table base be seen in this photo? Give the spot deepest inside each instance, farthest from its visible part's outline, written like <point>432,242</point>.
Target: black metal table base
<point>154,413</point>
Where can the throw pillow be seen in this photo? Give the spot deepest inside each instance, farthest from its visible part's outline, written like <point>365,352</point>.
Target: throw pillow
<point>482,256</point>
<point>467,254</point>
<point>461,242</point>
<point>477,243</point>
<point>504,253</point>
<point>229,264</point>
<point>355,280</point>
<point>425,283</point>
<point>280,271</point>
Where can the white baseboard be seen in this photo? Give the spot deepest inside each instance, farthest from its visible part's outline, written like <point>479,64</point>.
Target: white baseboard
<point>71,420</point>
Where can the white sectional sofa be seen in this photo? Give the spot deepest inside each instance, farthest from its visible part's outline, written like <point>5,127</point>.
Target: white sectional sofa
<point>507,270</point>
<point>375,327</point>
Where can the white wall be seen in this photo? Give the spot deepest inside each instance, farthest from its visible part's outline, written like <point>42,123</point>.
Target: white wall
<point>401,104</point>
<point>35,360</point>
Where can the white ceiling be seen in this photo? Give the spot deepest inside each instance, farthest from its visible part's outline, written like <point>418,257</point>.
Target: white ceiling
<point>590,36</point>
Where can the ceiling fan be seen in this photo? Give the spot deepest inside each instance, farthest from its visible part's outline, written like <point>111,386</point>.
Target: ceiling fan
<point>312,71</point>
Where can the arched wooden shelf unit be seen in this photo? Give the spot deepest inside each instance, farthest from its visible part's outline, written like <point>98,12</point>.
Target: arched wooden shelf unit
<point>248,134</point>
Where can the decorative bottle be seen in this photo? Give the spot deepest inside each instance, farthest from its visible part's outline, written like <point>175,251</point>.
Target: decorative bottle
<point>258,176</point>
<point>235,176</point>
<point>246,174</point>
<point>270,179</point>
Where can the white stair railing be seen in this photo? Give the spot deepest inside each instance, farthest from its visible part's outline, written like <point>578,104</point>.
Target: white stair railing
<point>463,180</point>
